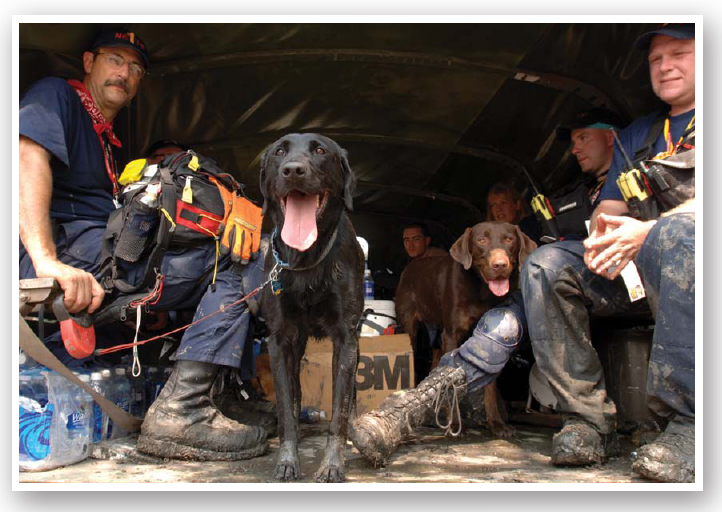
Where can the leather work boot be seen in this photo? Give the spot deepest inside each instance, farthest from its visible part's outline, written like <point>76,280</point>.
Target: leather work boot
<point>184,424</point>
<point>670,457</point>
<point>577,444</point>
<point>376,434</point>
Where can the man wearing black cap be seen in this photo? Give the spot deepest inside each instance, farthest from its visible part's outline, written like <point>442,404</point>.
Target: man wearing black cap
<point>593,146</point>
<point>68,165</point>
<point>663,249</point>
<point>68,189</point>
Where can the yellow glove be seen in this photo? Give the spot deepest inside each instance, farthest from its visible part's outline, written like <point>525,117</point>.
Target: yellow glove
<point>242,226</point>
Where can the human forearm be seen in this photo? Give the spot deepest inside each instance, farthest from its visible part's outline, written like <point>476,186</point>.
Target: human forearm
<point>36,189</point>
<point>36,185</point>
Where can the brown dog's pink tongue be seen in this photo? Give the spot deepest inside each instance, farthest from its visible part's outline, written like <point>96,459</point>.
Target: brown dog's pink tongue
<point>499,287</point>
<point>299,227</point>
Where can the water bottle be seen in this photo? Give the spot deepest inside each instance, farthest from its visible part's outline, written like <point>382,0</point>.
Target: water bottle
<point>100,417</point>
<point>26,362</point>
<point>38,381</point>
<point>79,418</point>
<point>110,394</point>
<point>312,415</point>
<point>121,385</point>
<point>368,285</point>
<point>58,432</point>
<point>34,423</point>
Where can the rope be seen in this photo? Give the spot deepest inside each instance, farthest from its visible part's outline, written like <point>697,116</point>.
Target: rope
<point>118,348</point>
<point>453,403</point>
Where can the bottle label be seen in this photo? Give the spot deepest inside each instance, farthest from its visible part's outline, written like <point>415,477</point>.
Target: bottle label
<point>77,421</point>
<point>35,433</point>
<point>98,423</point>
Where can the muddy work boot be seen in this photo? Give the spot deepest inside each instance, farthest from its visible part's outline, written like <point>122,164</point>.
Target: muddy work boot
<point>378,433</point>
<point>577,444</point>
<point>184,424</point>
<point>670,457</point>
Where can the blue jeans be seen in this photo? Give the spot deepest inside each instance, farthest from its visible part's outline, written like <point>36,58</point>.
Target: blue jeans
<point>666,263</point>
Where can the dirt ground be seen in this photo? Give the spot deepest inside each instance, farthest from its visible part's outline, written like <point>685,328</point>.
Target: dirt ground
<point>475,457</point>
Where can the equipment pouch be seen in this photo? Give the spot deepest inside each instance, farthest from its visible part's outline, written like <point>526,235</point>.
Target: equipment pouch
<point>242,226</point>
<point>137,232</point>
<point>672,179</point>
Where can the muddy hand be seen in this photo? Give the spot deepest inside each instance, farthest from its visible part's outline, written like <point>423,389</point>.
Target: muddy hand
<point>288,467</point>
<point>332,466</point>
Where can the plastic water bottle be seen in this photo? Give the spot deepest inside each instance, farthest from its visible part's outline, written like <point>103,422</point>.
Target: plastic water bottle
<point>110,394</point>
<point>122,389</point>
<point>312,415</point>
<point>100,417</point>
<point>368,285</point>
<point>79,417</point>
<point>34,423</point>
<point>58,432</point>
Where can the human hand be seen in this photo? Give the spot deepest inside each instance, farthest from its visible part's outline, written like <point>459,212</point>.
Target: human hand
<point>614,243</point>
<point>80,288</point>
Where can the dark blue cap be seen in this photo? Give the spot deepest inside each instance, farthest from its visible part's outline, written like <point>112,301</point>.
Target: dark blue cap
<point>676,30</point>
<point>109,38</point>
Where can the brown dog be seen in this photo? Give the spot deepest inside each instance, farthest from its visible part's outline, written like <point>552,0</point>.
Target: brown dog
<point>442,291</point>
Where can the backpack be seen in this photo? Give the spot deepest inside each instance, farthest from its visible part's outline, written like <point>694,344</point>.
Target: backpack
<point>183,202</point>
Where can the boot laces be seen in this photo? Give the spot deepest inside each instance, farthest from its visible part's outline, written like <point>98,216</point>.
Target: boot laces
<point>448,396</point>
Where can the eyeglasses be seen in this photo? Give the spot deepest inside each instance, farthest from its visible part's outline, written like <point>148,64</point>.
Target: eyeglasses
<point>118,61</point>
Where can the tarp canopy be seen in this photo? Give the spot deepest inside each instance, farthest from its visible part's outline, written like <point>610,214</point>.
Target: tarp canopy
<point>431,114</point>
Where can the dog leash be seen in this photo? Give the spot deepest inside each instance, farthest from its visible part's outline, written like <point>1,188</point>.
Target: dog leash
<point>223,309</point>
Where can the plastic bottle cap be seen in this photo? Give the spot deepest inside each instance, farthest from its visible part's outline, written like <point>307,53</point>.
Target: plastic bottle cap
<point>96,376</point>
<point>105,373</point>
<point>120,371</point>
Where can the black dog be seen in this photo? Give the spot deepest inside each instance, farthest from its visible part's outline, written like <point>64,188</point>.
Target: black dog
<point>316,285</point>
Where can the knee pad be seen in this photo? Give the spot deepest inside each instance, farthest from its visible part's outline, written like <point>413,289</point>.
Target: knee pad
<point>494,340</point>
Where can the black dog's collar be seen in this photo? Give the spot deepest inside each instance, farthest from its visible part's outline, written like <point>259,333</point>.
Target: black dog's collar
<point>280,265</point>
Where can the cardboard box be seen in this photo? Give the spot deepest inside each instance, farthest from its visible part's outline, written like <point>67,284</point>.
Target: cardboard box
<point>386,365</point>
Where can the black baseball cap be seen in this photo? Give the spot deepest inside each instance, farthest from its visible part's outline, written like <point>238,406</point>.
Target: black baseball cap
<point>676,30</point>
<point>109,38</point>
<point>598,118</point>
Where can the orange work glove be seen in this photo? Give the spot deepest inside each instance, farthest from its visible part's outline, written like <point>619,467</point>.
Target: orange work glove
<point>242,226</point>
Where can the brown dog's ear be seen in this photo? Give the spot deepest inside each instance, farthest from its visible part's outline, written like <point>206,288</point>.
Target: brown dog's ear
<point>262,179</point>
<point>349,179</point>
<point>526,245</point>
<point>461,251</point>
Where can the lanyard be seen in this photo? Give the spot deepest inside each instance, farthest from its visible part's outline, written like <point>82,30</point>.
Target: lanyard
<point>104,131</point>
<point>671,147</point>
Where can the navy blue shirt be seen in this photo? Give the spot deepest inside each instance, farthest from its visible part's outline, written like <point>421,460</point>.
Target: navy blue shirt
<point>634,137</point>
<point>52,115</point>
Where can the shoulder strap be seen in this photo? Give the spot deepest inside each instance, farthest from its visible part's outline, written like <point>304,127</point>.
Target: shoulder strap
<point>645,151</point>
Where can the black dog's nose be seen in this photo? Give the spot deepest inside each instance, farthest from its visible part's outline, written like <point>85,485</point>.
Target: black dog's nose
<point>296,168</point>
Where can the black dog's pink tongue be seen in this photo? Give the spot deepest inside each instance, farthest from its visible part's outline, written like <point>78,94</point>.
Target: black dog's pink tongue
<point>499,287</point>
<point>299,227</point>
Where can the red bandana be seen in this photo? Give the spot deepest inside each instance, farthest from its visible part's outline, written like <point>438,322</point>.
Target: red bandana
<point>101,126</point>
